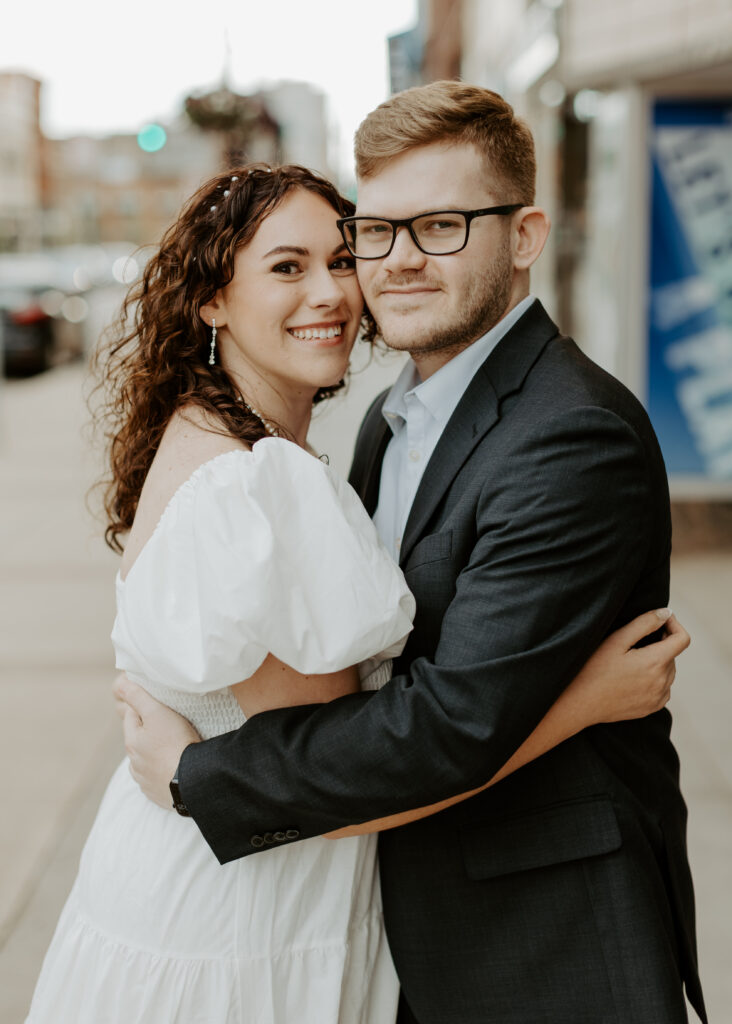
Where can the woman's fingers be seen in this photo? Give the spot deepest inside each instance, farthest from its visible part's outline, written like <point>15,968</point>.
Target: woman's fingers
<point>657,662</point>
<point>676,640</point>
<point>120,708</point>
<point>134,696</point>
<point>628,636</point>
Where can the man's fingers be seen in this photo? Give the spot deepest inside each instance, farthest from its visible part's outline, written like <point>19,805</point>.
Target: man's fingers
<point>644,625</point>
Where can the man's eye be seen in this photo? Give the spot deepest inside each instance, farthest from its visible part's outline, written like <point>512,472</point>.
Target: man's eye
<point>375,229</point>
<point>439,225</point>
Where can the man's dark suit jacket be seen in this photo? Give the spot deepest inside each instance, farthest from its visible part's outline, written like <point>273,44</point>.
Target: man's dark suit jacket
<point>562,894</point>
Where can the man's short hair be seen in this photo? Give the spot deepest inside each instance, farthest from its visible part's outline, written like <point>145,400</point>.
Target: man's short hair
<point>455,113</point>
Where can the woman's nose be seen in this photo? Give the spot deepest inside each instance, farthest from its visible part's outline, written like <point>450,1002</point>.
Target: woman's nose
<point>325,290</point>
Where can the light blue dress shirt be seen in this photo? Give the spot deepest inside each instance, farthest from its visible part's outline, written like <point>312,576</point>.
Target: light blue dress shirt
<point>417,412</point>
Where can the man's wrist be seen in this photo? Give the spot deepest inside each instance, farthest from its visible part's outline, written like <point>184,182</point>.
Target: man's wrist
<point>178,802</point>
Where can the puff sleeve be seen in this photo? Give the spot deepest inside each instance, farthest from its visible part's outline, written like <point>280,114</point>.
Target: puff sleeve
<point>259,551</point>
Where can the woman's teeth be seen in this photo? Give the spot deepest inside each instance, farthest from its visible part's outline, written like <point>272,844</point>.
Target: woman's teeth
<point>321,333</point>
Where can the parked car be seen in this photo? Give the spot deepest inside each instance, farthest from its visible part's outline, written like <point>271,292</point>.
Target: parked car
<point>26,334</point>
<point>54,303</point>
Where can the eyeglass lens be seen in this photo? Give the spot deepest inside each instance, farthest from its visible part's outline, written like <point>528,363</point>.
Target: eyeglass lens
<point>435,234</point>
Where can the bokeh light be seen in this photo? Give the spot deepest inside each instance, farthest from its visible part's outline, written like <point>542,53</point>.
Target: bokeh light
<point>75,309</point>
<point>82,281</point>
<point>51,301</point>
<point>151,138</point>
<point>125,269</point>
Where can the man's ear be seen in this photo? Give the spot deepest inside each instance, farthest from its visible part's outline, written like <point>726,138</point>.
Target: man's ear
<point>213,310</point>
<point>530,231</point>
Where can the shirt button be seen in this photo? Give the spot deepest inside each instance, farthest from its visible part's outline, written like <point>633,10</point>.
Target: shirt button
<point>398,543</point>
<point>414,455</point>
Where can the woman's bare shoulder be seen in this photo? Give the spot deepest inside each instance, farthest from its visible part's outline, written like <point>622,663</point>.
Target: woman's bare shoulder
<point>192,437</point>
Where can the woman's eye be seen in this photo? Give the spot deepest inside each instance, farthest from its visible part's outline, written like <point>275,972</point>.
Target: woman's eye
<point>288,267</point>
<point>344,263</point>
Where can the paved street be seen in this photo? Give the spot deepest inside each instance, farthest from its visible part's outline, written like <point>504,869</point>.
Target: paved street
<point>60,736</point>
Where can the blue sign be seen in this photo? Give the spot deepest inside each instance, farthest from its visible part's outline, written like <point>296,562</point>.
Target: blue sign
<point>690,315</point>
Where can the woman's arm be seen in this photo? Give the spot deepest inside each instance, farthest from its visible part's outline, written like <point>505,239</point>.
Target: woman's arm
<point>619,682</point>
<point>276,685</point>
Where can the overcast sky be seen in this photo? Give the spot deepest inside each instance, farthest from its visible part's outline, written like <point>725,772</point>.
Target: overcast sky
<point>116,66</point>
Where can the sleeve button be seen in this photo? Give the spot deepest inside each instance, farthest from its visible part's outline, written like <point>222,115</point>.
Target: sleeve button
<point>279,837</point>
<point>292,833</point>
<point>257,841</point>
<point>268,838</point>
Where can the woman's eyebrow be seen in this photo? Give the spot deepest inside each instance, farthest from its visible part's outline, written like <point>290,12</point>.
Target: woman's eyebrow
<point>298,250</point>
<point>287,248</point>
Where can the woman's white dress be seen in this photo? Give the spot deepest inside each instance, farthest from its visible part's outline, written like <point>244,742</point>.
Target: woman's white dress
<point>257,552</point>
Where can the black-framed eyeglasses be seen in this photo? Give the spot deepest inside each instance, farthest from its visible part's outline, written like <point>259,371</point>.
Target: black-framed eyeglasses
<point>438,233</point>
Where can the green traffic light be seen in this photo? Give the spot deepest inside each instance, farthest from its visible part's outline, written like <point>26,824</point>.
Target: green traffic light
<point>151,138</point>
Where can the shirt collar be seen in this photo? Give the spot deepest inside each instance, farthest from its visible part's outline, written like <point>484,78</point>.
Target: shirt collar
<point>442,391</point>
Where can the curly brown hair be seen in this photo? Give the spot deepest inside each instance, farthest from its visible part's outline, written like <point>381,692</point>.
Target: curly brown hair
<point>155,357</point>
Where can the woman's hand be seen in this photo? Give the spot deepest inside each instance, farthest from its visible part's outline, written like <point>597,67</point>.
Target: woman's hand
<point>621,681</point>
<point>155,738</point>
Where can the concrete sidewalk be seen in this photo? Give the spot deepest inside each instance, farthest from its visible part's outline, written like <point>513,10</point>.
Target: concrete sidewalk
<point>61,739</point>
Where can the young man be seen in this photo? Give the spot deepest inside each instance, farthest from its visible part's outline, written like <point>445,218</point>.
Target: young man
<point>524,494</point>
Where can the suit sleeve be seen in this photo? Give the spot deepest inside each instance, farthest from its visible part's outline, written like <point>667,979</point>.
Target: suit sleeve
<point>561,539</point>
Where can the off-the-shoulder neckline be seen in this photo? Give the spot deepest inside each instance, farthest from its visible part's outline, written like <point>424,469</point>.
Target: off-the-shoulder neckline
<point>190,482</point>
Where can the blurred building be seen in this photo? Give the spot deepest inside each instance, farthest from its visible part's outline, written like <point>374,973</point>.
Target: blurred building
<point>443,39</point>
<point>21,162</point>
<point>129,187</point>
<point>109,189</point>
<point>300,111</point>
<point>631,108</point>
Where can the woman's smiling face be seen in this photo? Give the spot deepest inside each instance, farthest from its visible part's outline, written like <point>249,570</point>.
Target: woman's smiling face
<point>289,316</point>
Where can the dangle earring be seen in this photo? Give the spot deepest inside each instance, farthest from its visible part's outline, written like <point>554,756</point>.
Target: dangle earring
<point>211,358</point>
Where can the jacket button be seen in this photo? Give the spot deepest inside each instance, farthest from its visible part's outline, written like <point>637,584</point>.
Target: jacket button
<point>292,833</point>
<point>268,838</point>
<point>257,841</point>
<point>279,837</point>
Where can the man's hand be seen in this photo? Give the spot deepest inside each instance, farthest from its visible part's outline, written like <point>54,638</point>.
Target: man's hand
<point>155,738</point>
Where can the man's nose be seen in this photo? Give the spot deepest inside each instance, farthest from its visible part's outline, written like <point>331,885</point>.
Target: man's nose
<point>405,253</point>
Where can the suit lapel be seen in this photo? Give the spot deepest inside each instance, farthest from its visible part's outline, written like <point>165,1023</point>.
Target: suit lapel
<point>503,372</point>
<point>374,436</point>
<point>372,477</point>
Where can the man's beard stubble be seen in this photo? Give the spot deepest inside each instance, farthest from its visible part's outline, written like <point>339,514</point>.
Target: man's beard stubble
<point>485,303</point>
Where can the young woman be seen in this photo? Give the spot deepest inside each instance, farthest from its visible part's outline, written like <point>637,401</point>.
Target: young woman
<point>251,578</point>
